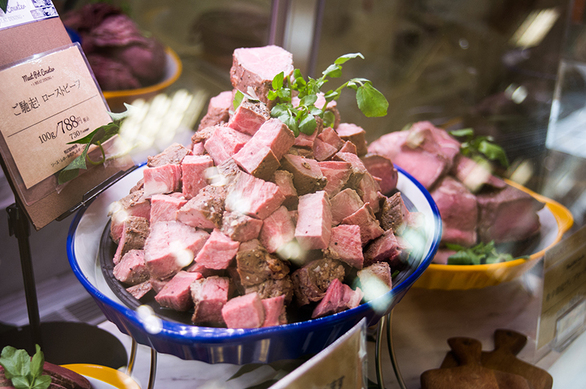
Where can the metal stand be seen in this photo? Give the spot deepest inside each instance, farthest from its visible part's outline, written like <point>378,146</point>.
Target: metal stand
<point>153,366</point>
<point>386,320</point>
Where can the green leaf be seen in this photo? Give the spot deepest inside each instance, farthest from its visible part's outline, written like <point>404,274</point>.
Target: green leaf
<point>278,81</point>
<point>4,5</point>
<point>371,102</point>
<point>493,152</point>
<point>238,96</point>
<point>308,100</point>
<point>21,382</point>
<point>333,71</point>
<point>329,119</point>
<point>465,132</point>
<point>346,57</point>
<point>37,362</point>
<point>308,125</point>
<point>42,382</point>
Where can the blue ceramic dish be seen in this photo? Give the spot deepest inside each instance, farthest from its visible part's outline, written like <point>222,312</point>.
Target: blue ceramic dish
<point>238,346</point>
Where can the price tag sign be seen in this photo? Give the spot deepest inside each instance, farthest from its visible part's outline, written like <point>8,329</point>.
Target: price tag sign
<point>341,365</point>
<point>46,102</point>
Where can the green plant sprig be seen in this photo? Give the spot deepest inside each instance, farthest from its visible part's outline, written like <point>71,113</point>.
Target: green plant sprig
<point>4,5</point>
<point>97,137</point>
<point>301,118</point>
<point>22,371</point>
<point>482,146</point>
<point>481,254</point>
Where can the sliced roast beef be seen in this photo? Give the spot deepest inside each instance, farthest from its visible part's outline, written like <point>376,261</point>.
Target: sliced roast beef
<point>253,197</point>
<point>162,179</point>
<point>218,110</point>
<point>140,290</point>
<point>314,223</point>
<point>458,210</point>
<point>311,281</point>
<point>249,117</point>
<point>475,175</point>
<point>204,210</point>
<point>369,226</point>
<point>277,230</point>
<point>369,190</point>
<point>284,181</point>
<point>244,312</point>
<point>256,67</point>
<point>331,137</point>
<point>345,204</point>
<point>355,134</point>
<point>193,173</point>
<point>393,215</point>
<point>134,234</point>
<point>170,247</point>
<point>134,204</point>
<point>255,265</point>
<point>358,168</point>
<point>165,207</point>
<point>337,174</point>
<point>202,135</point>
<point>209,296</point>
<point>375,280</point>
<point>337,298</point>
<point>322,150</point>
<point>176,294</point>
<point>349,147</point>
<point>307,176</point>
<point>131,269</point>
<point>173,154</point>
<point>382,167</point>
<point>273,288</point>
<point>224,143</point>
<point>240,227</point>
<point>346,245</point>
<point>507,215</point>
<point>275,313</point>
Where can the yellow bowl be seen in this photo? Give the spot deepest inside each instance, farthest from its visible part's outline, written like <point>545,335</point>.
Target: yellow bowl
<point>103,374</point>
<point>173,68</point>
<point>452,277</point>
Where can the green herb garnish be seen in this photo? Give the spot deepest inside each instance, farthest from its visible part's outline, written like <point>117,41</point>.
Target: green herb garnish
<point>301,118</point>
<point>480,145</point>
<point>22,371</point>
<point>97,137</point>
<point>4,5</point>
<point>482,253</point>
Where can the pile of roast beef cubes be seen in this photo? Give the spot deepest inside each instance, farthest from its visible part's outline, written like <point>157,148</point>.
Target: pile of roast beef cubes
<point>250,225</point>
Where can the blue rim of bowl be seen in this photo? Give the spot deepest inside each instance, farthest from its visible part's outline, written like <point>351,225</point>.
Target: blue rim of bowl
<point>183,333</point>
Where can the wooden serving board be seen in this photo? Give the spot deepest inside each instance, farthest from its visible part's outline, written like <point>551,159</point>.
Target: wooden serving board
<point>470,373</point>
<point>507,344</point>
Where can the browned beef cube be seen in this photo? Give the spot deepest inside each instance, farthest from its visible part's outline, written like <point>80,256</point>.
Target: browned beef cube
<point>255,265</point>
<point>140,290</point>
<point>132,269</point>
<point>384,248</point>
<point>358,168</point>
<point>273,288</point>
<point>307,175</point>
<point>173,154</point>
<point>311,281</point>
<point>382,167</point>
<point>176,294</point>
<point>375,280</point>
<point>369,226</point>
<point>244,312</point>
<point>284,181</point>
<point>249,117</point>
<point>345,204</point>
<point>134,234</point>
<point>355,134</point>
<point>205,210</point>
<point>393,214</point>
<point>337,298</point>
<point>337,173</point>
<point>346,245</point>
<point>240,227</point>
<point>134,204</point>
<point>209,296</point>
<point>369,189</point>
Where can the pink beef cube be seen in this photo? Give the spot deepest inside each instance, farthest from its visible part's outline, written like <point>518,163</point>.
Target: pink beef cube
<point>331,137</point>
<point>323,150</point>
<point>369,226</point>
<point>218,251</point>
<point>355,134</point>
<point>358,168</point>
<point>132,269</point>
<point>314,225</point>
<point>140,290</point>
<point>224,143</point>
<point>284,181</point>
<point>346,245</point>
<point>204,210</point>
<point>176,294</point>
<point>162,179</point>
<point>274,311</point>
<point>375,280</point>
<point>170,247</point>
<point>307,175</point>
<point>209,295</point>
<point>193,172</point>
<point>338,298</point>
<point>253,197</point>
<point>249,117</point>
<point>244,312</point>
<point>345,204</point>
<point>382,167</point>
<point>134,204</point>
<point>198,148</point>
<point>257,66</point>
<point>349,147</point>
<point>304,140</point>
<point>384,248</point>
<point>337,174</point>
<point>164,207</point>
<point>277,230</point>
<point>239,227</point>
<point>134,234</point>
<point>370,188</point>
<point>261,162</point>
<point>218,110</point>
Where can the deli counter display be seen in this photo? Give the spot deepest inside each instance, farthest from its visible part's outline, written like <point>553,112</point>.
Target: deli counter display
<point>307,170</point>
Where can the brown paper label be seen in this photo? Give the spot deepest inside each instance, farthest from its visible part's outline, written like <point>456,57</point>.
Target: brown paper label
<point>45,103</point>
<point>564,282</point>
